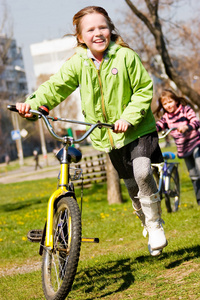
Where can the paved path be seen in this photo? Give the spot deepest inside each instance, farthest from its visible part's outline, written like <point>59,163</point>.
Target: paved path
<point>28,172</point>
<point>27,175</point>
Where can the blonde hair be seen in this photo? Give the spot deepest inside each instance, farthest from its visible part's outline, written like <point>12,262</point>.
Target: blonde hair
<point>115,37</point>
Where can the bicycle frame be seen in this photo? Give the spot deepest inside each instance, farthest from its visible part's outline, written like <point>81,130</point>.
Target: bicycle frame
<point>167,178</point>
<point>164,173</point>
<point>163,168</point>
<point>160,167</point>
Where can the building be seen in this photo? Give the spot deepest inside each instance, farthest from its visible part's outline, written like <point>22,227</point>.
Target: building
<point>48,56</point>
<point>13,83</point>
<point>13,87</point>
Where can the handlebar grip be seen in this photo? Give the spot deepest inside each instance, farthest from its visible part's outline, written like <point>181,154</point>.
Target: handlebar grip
<point>44,110</point>
<point>112,126</point>
<point>12,108</point>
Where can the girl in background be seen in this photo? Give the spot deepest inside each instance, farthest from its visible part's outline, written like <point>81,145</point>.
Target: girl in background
<point>115,88</point>
<point>187,136</point>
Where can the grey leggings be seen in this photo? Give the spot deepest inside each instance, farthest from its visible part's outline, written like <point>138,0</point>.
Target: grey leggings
<point>143,183</point>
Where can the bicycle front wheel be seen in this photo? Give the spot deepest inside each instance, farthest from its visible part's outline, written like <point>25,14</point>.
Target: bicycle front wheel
<point>60,264</point>
<point>172,190</point>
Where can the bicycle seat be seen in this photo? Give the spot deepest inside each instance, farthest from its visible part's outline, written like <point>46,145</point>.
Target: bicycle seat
<point>168,155</point>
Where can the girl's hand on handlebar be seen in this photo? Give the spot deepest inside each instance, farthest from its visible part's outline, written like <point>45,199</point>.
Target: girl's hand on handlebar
<point>183,128</point>
<point>121,126</point>
<point>23,109</point>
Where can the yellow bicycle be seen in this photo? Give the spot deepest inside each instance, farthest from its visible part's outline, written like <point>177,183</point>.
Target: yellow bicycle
<point>60,241</point>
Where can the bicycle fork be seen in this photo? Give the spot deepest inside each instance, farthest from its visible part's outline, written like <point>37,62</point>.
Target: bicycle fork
<point>40,235</point>
<point>61,191</point>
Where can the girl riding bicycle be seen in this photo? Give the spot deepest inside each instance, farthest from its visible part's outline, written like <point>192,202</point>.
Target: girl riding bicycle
<point>187,136</point>
<point>115,88</point>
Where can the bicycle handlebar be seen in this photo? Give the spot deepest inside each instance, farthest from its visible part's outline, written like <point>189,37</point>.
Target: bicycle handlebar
<point>167,132</point>
<point>65,139</point>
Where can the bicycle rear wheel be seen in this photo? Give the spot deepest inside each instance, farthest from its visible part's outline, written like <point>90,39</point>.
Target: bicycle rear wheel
<point>172,190</point>
<point>60,264</point>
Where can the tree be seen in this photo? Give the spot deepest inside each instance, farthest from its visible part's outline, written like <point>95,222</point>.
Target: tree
<point>114,194</point>
<point>149,13</point>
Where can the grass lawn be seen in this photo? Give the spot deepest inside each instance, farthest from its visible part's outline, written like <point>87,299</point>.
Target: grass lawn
<point>119,267</point>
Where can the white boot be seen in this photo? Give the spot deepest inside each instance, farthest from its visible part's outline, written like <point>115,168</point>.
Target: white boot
<point>141,216</point>
<point>152,211</point>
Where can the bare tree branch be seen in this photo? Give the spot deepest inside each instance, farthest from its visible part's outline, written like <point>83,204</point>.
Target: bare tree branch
<point>153,23</point>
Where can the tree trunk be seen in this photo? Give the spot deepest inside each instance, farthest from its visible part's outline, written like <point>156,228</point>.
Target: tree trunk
<point>113,183</point>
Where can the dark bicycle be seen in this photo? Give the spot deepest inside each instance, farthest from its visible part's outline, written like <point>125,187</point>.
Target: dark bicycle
<point>167,178</point>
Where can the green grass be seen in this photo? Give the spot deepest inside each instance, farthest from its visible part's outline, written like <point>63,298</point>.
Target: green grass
<point>119,267</point>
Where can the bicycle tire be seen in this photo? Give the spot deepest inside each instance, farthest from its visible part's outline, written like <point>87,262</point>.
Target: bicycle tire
<point>59,265</point>
<point>172,192</point>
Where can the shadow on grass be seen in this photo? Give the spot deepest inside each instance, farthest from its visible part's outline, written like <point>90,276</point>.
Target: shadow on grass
<point>22,204</point>
<point>176,257</point>
<point>105,280</point>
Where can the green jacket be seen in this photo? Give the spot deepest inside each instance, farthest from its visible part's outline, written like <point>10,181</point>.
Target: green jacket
<point>120,89</point>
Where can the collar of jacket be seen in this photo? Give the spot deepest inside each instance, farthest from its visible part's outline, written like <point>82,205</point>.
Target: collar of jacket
<point>112,49</point>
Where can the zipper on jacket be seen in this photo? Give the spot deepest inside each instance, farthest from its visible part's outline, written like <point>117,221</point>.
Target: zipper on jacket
<point>103,109</point>
<point>103,104</point>
<point>102,97</point>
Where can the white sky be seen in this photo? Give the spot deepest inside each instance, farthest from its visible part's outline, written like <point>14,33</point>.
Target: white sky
<point>38,20</point>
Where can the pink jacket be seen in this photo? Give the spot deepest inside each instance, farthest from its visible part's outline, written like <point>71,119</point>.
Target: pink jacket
<point>184,115</point>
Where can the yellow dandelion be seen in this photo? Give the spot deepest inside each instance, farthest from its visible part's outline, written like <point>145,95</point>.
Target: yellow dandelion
<point>24,238</point>
<point>20,223</point>
<point>1,240</point>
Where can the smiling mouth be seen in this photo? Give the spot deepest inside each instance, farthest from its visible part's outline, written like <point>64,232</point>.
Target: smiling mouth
<point>99,41</point>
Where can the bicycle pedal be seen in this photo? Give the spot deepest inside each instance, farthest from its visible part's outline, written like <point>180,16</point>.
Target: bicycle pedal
<point>35,235</point>
<point>89,240</point>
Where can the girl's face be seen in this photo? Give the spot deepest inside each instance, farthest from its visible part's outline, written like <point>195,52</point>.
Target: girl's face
<point>169,104</point>
<point>95,33</point>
